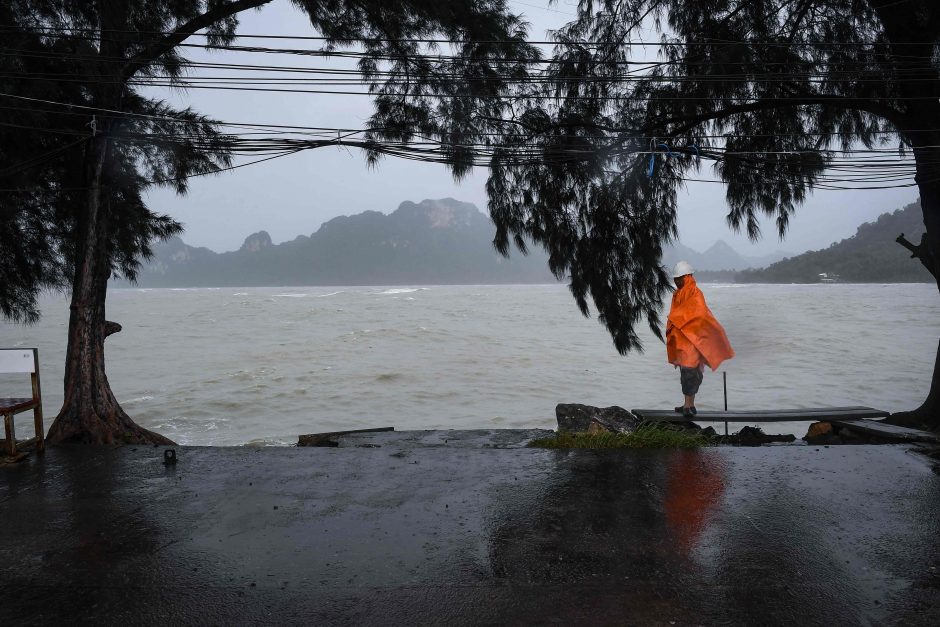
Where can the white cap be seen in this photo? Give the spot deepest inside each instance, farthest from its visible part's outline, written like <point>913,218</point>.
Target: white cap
<point>682,268</point>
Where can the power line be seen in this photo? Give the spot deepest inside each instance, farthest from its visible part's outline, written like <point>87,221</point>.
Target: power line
<point>711,41</point>
<point>439,151</point>
<point>262,126</point>
<point>350,77</point>
<point>731,98</point>
<point>348,54</point>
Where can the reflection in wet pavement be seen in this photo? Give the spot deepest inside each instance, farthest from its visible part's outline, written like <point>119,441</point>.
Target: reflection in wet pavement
<point>794,535</point>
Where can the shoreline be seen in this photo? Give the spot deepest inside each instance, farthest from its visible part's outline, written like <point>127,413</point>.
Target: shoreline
<point>348,360</point>
<point>430,285</point>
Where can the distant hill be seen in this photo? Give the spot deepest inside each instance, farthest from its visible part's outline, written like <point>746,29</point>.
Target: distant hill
<point>869,256</point>
<point>719,257</point>
<point>432,242</point>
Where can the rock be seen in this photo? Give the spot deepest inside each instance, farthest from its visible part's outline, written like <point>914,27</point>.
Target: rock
<point>754,436</point>
<point>851,436</point>
<point>818,429</point>
<point>821,433</point>
<point>750,436</point>
<point>317,439</point>
<point>577,418</point>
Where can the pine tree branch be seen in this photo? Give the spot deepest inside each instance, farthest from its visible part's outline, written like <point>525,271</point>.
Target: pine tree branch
<point>842,102</point>
<point>691,121</point>
<point>919,251</point>
<point>800,15</point>
<point>178,36</point>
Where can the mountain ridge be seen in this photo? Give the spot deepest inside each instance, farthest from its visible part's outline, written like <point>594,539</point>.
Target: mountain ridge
<point>434,241</point>
<point>870,256</point>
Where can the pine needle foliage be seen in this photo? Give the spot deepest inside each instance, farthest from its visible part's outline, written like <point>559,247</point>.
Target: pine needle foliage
<point>593,158</point>
<point>99,48</point>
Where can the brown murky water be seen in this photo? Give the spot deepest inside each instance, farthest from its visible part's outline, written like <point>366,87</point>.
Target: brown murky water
<point>261,365</point>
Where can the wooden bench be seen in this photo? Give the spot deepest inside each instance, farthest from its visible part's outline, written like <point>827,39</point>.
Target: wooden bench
<point>26,361</point>
<point>813,414</point>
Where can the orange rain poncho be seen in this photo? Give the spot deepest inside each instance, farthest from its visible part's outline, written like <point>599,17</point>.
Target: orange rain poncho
<point>693,336</point>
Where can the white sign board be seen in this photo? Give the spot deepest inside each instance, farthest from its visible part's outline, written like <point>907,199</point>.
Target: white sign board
<point>17,360</point>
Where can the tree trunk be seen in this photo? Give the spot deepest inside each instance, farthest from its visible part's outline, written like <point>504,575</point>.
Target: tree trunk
<point>927,416</point>
<point>90,413</point>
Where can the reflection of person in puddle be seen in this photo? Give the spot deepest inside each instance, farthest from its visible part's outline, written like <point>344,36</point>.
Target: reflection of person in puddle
<point>694,338</point>
<point>693,488</point>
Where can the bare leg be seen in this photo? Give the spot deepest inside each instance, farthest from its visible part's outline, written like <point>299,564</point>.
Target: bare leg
<point>689,400</point>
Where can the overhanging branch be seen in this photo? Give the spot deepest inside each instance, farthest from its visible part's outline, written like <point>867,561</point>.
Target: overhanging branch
<point>689,122</point>
<point>919,251</point>
<point>178,36</point>
<point>857,104</point>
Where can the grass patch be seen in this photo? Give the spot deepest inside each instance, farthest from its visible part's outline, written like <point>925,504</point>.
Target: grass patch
<point>647,435</point>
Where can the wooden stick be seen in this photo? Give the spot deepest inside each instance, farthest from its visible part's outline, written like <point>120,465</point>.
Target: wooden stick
<point>37,411</point>
<point>10,433</point>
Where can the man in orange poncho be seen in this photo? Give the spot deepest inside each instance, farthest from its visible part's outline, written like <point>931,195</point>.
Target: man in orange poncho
<point>694,338</point>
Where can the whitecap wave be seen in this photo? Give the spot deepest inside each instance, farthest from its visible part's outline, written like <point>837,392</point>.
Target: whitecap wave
<point>189,427</point>
<point>402,290</point>
<point>292,295</point>
<point>330,294</point>
<point>264,442</point>
<point>139,399</point>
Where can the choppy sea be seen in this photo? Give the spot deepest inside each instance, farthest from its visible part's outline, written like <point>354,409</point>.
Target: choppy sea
<point>262,365</point>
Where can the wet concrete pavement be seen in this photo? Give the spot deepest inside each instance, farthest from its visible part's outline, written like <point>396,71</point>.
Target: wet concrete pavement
<point>399,533</point>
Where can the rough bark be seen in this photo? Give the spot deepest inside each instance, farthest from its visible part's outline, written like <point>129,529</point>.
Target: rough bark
<point>90,413</point>
<point>927,178</point>
<point>927,416</point>
<point>915,25</point>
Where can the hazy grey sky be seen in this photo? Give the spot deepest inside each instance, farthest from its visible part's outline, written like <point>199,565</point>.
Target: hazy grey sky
<point>294,195</point>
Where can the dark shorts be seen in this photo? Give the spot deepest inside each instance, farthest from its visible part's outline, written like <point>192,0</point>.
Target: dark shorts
<point>691,379</point>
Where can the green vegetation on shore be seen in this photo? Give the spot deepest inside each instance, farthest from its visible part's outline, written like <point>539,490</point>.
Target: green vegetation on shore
<point>649,435</point>
<point>870,256</point>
